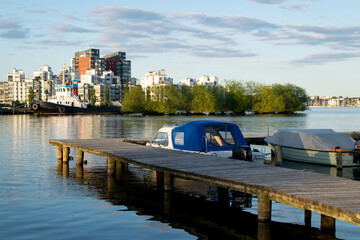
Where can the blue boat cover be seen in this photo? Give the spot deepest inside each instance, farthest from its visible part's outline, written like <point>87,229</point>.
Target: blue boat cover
<point>207,135</point>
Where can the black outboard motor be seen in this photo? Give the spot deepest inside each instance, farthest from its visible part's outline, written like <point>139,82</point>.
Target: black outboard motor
<point>242,153</point>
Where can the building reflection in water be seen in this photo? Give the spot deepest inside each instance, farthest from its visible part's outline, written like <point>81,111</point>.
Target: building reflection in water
<point>190,209</point>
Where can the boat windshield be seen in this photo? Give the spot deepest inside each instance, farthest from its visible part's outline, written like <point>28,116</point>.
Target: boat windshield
<point>220,135</point>
<point>161,139</point>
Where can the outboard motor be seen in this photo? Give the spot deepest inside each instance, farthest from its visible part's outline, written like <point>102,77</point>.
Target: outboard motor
<point>242,153</point>
<point>357,152</point>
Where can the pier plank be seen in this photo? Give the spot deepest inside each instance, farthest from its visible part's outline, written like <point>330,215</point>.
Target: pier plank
<point>331,196</point>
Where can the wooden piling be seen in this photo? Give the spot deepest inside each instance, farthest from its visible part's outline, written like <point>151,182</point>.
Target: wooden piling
<point>307,218</point>
<point>264,208</point>
<point>79,157</point>
<point>338,157</point>
<point>59,152</point>
<point>223,196</point>
<point>160,180</point>
<point>66,152</point>
<point>278,156</point>
<point>168,181</point>
<point>111,166</point>
<point>327,225</point>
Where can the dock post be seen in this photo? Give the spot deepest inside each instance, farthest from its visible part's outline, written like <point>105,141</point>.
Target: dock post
<point>160,180</point>
<point>278,156</point>
<point>79,157</point>
<point>66,152</point>
<point>327,224</point>
<point>263,231</point>
<point>223,196</point>
<point>168,181</point>
<point>59,152</point>
<point>307,218</point>
<point>121,171</point>
<point>111,166</point>
<point>264,208</point>
<point>338,157</point>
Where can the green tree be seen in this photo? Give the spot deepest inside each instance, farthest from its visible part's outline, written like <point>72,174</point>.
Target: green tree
<point>134,100</point>
<point>237,99</point>
<point>93,97</point>
<point>31,95</point>
<point>107,93</point>
<point>294,96</point>
<point>269,101</point>
<point>203,100</point>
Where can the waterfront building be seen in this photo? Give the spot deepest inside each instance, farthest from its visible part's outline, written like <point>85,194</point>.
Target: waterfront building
<point>155,78</point>
<point>117,63</point>
<point>2,93</point>
<point>44,73</point>
<point>188,82</point>
<point>88,59</point>
<point>208,81</point>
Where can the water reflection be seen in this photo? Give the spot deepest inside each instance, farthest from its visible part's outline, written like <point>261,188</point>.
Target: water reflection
<point>136,189</point>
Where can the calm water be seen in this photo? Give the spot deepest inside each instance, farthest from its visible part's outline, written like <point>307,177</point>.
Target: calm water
<point>40,199</point>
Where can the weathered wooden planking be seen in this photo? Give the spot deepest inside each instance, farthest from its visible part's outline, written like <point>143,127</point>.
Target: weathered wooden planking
<point>332,196</point>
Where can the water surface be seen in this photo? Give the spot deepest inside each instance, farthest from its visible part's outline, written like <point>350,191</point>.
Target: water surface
<point>40,199</point>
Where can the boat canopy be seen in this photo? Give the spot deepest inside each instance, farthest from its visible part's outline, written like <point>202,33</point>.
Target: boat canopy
<point>207,136</point>
<point>312,139</point>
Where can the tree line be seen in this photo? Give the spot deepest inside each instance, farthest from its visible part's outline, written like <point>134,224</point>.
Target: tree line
<point>234,96</point>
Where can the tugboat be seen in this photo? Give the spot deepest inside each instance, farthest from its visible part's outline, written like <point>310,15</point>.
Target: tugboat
<point>66,101</point>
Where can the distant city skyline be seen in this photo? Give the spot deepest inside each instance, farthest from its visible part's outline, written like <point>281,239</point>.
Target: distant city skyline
<point>313,44</point>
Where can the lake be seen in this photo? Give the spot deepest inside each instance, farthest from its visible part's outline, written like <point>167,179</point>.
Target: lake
<point>40,199</point>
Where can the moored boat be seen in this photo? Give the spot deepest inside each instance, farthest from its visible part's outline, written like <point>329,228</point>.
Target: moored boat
<point>206,137</point>
<point>66,101</point>
<point>317,146</point>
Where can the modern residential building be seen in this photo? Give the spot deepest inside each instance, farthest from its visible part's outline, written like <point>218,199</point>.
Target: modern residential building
<point>117,63</point>
<point>44,73</point>
<point>208,81</point>
<point>88,59</point>
<point>188,82</point>
<point>155,78</point>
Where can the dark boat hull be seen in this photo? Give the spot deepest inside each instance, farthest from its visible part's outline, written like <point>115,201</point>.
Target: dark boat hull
<point>41,107</point>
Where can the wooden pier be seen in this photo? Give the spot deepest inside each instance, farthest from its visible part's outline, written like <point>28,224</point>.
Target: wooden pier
<point>332,197</point>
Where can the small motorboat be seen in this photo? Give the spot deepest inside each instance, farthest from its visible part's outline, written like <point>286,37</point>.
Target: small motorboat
<point>318,146</point>
<point>206,137</point>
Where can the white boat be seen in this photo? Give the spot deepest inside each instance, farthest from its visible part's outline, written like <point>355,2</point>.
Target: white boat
<point>206,137</point>
<point>318,146</point>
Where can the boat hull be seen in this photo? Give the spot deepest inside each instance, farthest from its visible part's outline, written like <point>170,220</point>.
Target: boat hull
<point>317,157</point>
<point>42,107</point>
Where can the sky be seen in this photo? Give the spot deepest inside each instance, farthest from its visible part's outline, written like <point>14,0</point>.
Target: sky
<point>313,44</point>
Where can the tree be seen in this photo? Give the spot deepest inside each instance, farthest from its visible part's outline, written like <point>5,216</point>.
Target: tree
<point>203,100</point>
<point>134,100</point>
<point>294,96</point>
<point>31,95</point>
<point>237,99</point>
<point>269,101</point>
<point>107,93</point>
<point>93,97</point>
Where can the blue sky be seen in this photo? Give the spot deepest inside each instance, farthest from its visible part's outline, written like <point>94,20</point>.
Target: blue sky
<point>313,44</point>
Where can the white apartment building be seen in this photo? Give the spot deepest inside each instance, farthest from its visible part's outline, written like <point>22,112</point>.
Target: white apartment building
<point>89,77</point>
<point>188,82</point>
<point>44,73</point>
<point>155,78</point>
<point>208,81</point>
<point>108,77</point>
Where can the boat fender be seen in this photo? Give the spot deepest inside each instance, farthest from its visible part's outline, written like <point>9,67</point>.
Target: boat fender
<point>35,106</point>
<point>61,109</point>
<point>242,153</point>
